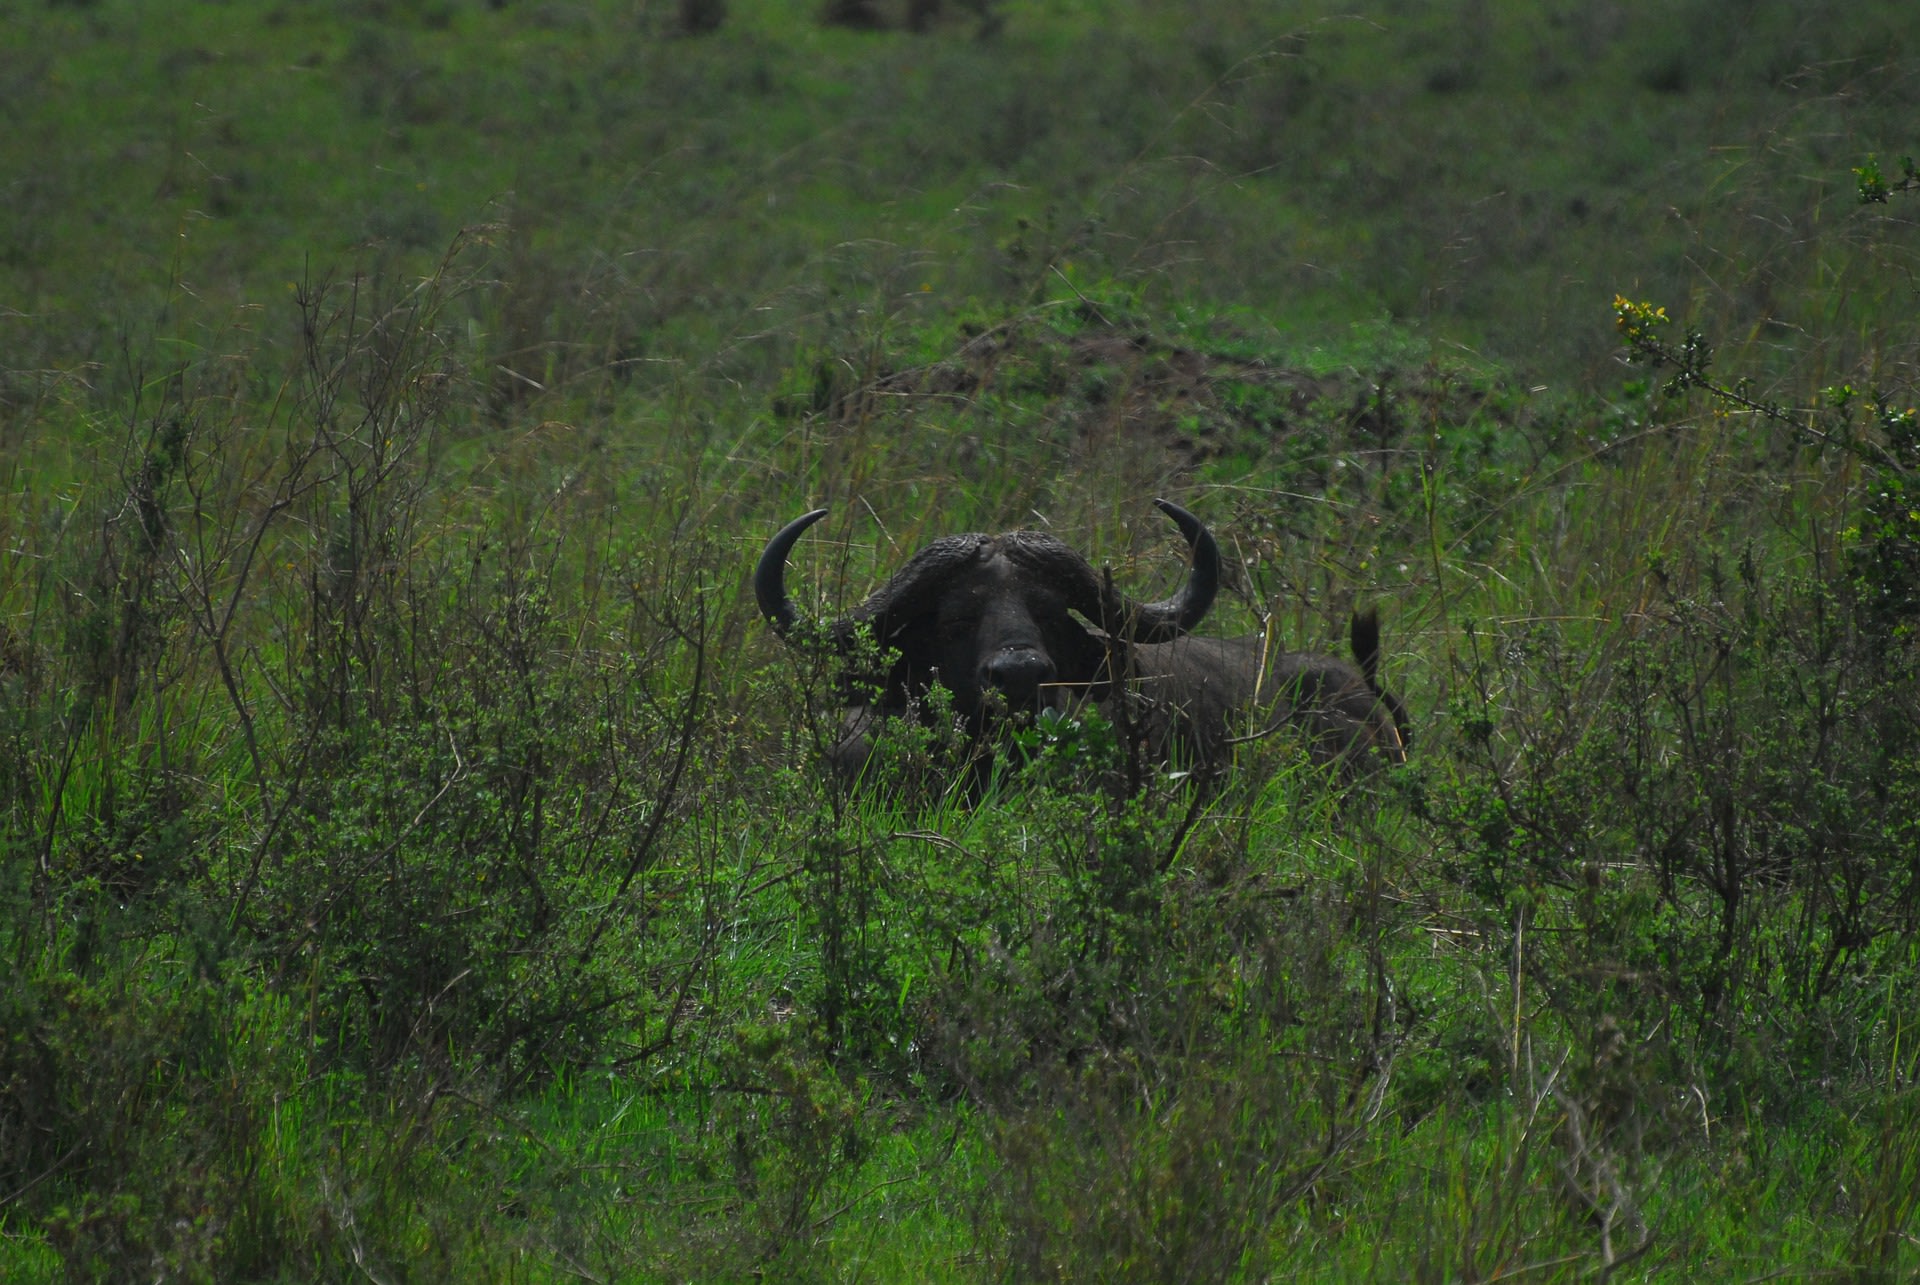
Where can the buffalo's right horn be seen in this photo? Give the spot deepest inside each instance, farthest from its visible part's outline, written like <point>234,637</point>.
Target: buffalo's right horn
<point>770,574</point>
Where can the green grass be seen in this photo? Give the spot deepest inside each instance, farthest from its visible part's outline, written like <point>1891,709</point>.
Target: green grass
<point>1490,172</point>
<point>416,859</point>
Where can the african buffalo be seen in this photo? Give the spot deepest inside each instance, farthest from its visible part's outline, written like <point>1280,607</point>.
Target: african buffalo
<point>1016,624</point>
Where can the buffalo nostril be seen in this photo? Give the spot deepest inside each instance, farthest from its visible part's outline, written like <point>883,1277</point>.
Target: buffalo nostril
<point>1017,671</point>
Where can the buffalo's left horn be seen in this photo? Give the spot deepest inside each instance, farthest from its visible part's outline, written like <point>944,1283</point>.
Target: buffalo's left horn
<point>1171,617</point>
<point>770,574</point>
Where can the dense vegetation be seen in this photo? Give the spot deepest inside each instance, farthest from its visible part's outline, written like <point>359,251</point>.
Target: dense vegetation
<point>416,861</point>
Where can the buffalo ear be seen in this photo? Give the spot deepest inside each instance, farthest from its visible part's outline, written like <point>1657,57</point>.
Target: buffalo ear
<point>1089,656</point>
<point>862,679</point>
<point>901,650</point>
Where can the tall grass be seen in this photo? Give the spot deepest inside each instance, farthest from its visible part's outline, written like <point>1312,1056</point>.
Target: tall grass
<point>417,861</point>
<point>393,786</point>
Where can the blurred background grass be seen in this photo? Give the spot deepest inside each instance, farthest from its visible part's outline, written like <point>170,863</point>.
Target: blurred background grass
<point>1487,174</point>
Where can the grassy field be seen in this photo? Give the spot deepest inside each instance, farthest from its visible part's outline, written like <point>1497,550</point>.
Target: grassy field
<point>418,863</point>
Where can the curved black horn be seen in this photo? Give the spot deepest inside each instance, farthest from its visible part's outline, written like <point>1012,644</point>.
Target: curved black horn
<point>770,574</point>
<point>1171,617</point>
